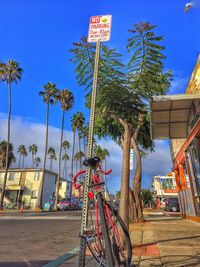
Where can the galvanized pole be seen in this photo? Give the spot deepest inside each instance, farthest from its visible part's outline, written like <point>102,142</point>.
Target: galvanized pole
<point>84,220</point>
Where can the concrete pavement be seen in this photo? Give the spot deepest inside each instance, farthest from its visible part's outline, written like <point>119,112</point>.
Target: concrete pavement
<point>163,240</point>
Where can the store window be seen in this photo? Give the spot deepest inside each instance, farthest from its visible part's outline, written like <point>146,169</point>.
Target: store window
<point>195,156</point>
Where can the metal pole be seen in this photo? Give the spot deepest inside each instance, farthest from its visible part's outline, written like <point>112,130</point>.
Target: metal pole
<point>89,154</point>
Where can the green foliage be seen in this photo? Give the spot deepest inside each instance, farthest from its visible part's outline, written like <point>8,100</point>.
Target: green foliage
<point>50,93</point>
<point>77,121</point>
<point>10,71</point>
<point>124,90</point>
<point>146,195</point>
<point>11,157</point>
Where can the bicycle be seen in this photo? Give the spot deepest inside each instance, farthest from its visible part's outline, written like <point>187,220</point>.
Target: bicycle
<point>107,239</point>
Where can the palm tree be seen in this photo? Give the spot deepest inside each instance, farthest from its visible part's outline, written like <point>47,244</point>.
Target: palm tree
<point>65,157</point>
<point>102,153</point>
<point>37,161</point>
<point>22,153</point>
<point>77,122</point>
<point>66,99</point>
<point>52,156</point>
<point>49,98</point>
<point>19,150</point>
<point>78,156</point>
<point>13,161</point>
<point>33,149</point>
<point>9,72</point>
<point>11,157</point>
<point>65,145</point>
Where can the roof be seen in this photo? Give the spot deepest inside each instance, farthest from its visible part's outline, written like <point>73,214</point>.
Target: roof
<point>170,115</point>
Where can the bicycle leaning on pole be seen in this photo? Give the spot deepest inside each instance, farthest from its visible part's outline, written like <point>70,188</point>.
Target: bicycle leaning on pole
<point>107,237</point>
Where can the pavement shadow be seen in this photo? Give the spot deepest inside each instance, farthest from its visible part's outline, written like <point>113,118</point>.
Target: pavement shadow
<point>170,260</point>
<point>179,238</point>
<point>24,263</point>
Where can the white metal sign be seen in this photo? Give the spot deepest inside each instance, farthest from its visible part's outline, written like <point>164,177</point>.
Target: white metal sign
<point>99,28</point>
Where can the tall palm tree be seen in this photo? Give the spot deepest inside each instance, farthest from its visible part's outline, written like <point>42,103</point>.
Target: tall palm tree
<point>49,98</point>
<point>66,99</point>
<point>11,157</point>
<point>76,122</point>
<point>52,156</point>
<point>65,157</point>
<point>78,156</point>
<point>9,72</point>
<point>102,153</point>
<point>65,145</point>
<point>22,153</point>
<point>33,149</point>
<point>37,161</point>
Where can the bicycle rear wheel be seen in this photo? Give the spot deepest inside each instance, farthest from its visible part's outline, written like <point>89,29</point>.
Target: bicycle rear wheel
<point>120,243</point>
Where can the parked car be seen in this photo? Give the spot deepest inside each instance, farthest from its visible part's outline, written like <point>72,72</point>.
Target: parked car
<point>67,204</point>
<point>172,204</point>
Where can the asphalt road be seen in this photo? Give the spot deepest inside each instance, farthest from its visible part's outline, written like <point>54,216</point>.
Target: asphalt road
<point>33,239</point>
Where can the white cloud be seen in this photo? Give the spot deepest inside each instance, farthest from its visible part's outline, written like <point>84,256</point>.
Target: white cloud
<point>26,131</point>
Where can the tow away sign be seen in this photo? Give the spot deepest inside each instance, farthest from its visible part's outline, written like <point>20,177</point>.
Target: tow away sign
<point>99,28</point>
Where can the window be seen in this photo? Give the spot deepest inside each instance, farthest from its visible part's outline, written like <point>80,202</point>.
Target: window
<point>36,176</point>
<point>34,194</point>
<point>11,176</point>
<point>60,185</point>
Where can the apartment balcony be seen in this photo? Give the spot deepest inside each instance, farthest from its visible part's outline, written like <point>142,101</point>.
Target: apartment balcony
<point>14,184</point>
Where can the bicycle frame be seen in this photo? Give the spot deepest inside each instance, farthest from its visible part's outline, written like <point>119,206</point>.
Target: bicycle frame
<point>98,188</point>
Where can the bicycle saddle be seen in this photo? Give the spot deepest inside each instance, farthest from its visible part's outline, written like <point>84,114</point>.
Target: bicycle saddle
<point>92,162</point>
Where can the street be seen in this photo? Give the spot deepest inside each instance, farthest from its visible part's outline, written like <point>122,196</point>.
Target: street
<point>33,239</point>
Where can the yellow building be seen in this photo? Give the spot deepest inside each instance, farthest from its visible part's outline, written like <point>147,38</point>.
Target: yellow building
<point>23,185</point>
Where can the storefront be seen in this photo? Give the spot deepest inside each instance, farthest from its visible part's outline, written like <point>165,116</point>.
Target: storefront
<point>177,117</point>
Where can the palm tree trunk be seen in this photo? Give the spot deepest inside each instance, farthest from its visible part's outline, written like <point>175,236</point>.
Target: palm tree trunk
<point>7,146</point>
<point>124,198</point>
<point>23,161</point>
<point>72,162</point>
<point>33,159</point>
<point>51,164</point>
<point>79,144</point>
<point>59,161</point>
<point>39,198</point>
<point>19,160</point>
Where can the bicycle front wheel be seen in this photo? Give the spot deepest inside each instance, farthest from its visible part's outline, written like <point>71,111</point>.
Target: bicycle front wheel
<point>119,240</point>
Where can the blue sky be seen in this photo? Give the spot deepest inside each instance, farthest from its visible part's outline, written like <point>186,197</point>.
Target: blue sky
<point>39,34</point>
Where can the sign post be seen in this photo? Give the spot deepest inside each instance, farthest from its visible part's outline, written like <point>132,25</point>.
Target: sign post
<point>99,31</point>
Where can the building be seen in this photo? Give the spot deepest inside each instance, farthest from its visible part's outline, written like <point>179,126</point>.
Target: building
<point>164,186</point>
<point>23,185</point>
<point>177,117</point>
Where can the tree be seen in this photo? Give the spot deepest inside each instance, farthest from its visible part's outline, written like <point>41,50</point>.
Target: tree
<point>22,153</point>
<point>11,157</point>
<point>9,72</point>
<point>122,98</point>
<point>78,157</point>
<point>49,98</point>
<point>76,122</point>
<point>37,161</point>
<point>65,157</point>
<point>52,156</point>
<point>33,149</point>
<point>102,153</point>
<point>66,99</point>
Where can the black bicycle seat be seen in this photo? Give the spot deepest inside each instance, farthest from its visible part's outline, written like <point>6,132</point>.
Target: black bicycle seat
<point>92,162</point>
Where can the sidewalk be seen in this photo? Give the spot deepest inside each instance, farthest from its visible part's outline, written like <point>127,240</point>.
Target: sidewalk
<point>162,240</point>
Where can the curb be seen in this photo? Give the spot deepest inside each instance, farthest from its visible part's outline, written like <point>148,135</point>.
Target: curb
<point>60,260</point>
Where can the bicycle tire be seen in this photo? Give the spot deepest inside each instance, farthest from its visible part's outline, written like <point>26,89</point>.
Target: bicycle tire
<point>91,242</point>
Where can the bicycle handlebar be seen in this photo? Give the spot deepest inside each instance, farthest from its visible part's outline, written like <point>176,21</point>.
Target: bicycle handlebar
<point>77,186</point>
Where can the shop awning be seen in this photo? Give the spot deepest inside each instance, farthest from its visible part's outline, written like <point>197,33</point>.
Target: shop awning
<point>170,115</point>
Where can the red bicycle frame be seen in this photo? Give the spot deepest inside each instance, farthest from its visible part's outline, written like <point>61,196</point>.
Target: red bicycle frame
<point>97,187</point>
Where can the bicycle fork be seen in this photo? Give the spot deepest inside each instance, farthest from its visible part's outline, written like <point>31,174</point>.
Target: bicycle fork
<point>105,232</point>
